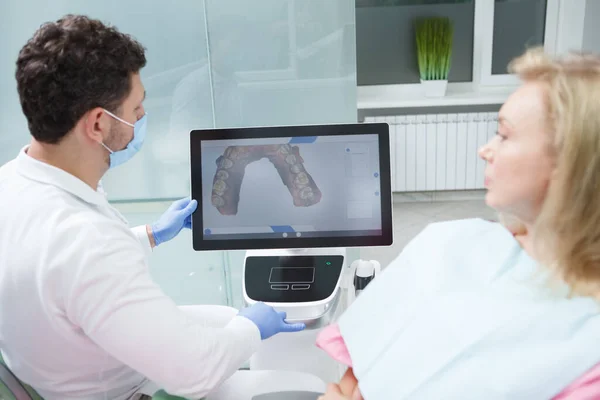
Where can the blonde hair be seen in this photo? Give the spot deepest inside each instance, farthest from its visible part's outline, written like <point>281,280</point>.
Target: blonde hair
<point>567,231</point>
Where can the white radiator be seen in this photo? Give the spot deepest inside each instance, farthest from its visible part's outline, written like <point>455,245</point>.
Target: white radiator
<point>438,151</point>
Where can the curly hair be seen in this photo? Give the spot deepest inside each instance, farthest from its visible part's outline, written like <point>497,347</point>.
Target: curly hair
<point>71,66</point>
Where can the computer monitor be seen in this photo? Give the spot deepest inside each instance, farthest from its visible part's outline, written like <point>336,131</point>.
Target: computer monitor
<point>291,187</point>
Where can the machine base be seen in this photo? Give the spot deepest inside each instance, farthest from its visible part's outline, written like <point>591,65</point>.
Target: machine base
<point>269,385</point>
<point>314,312</point>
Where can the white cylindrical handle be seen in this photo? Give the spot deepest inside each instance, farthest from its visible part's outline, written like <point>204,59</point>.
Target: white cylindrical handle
<point>365,269</point>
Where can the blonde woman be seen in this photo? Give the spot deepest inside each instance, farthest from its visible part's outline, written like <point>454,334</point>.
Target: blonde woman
<point>479,310</point>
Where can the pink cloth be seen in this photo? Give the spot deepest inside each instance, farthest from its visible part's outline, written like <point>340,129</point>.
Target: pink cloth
<point>587,387</point>
<point>330,340</point>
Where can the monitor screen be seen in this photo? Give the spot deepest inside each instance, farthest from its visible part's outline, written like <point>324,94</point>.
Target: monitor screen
<point>291,187</point>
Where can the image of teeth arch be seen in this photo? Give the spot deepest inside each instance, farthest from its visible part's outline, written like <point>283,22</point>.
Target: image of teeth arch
<point>231,167</point>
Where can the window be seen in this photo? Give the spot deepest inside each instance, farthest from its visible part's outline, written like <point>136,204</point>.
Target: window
<point>510,27</point>
<point>487,35</point>
<point>517,24</point>
<point>385,39</point>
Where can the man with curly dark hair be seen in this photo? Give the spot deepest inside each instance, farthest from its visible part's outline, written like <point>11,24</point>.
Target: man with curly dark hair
<point>80,316</point>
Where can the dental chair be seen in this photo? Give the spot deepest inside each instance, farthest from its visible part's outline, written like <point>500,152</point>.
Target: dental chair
<point>11,388</point>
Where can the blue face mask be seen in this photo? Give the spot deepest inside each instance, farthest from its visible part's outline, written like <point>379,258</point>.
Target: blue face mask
<point>139,134</point>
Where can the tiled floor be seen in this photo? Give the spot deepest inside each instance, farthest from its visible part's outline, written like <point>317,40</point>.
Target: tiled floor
<point>410,217</point>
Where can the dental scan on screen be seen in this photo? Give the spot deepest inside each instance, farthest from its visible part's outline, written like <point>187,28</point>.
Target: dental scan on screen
<point>291,187</point>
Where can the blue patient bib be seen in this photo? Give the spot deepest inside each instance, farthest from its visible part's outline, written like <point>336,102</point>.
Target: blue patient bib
<point>464,313</point>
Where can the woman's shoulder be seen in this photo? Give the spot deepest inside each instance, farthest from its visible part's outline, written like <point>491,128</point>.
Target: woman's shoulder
<point>464,227</point>
<point>465,252</point>
<point>462,232</point>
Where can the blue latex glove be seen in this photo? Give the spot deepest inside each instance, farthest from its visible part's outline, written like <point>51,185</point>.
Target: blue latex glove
<point>269,321</point>
<point>177,217</point>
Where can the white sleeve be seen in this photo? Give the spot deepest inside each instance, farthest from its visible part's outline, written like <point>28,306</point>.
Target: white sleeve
<point>142,236</point>
<point>213,316</point>
<point>114,300</point>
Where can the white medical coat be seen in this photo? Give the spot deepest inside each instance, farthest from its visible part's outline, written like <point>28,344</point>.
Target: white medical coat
<point>80,316</point>
<point>464,313</point>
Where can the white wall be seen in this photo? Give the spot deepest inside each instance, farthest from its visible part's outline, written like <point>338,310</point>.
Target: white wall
<point>591,29</point>
<point>571,16</point>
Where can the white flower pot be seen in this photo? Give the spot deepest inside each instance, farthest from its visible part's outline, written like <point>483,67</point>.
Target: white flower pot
<point>435,88</point>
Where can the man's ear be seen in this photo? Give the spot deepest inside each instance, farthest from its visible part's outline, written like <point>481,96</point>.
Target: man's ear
<point>96,124</point>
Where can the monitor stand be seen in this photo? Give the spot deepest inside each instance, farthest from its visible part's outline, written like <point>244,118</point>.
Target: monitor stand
<point>297,351</point>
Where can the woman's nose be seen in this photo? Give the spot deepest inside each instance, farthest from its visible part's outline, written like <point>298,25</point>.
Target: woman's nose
<point>485,152</point>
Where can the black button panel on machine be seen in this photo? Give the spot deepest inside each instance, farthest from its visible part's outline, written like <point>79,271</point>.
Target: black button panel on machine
<point>292,279</point>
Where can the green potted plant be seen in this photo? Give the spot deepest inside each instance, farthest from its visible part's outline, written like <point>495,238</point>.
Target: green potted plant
<point>434,51</point>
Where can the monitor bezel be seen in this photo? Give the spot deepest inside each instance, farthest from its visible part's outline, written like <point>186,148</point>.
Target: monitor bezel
<point>379,128</point>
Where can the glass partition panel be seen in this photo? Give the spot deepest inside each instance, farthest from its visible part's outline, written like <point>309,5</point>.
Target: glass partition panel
<point>282,62</point>
<point>215,63</point>
<point>273,62</point>
<point>175,37</point>
<point>18,21</point>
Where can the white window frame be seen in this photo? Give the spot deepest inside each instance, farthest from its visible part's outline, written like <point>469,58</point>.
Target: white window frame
<point>571,25</point>
<point>484,26</point>
<point>457,93</point>
<point>563,32</point>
